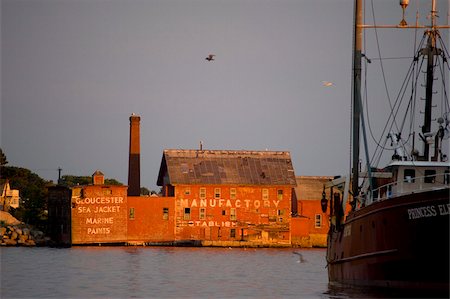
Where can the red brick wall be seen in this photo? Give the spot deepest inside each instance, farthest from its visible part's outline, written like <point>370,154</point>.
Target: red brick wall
<point>304,231</point>
<point>149,223</point>
<point>99,214</point>
<point>256,218</point>
<point>309,209</point>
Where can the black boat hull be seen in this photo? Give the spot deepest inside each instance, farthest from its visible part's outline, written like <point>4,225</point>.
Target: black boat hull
<point>399,243</point>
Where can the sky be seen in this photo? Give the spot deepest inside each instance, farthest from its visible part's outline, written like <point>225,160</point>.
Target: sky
<point>73,71</point>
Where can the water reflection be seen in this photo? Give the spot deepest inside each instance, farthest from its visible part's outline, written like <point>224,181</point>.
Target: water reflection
<point>168,272</point>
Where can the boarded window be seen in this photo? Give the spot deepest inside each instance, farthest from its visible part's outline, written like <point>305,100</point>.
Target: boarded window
<point>233,214</point>
<point>233,193</point>
<point>202,193</point>
<point>216,192</point>
<point>131,213</point>
<point>318,221</point>
<point>202,214</point>
<point>187,213</point>
<point>279,194</point>
<point>233,233</point>
<point>165,213</point>
<point>265,194</point>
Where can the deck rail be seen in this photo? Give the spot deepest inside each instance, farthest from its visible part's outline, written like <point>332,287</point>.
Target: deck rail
<point>411,185</point>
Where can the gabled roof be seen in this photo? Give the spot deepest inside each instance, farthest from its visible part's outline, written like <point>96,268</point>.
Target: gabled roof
<point>222,167</point>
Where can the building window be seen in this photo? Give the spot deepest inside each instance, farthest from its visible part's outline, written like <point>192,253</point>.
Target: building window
<point>187,213</point>
<point>202,193</point>
<point>187,191</point>
<point>409,175</point>
<point>233,233</point>
<point>107,191</point>
<point>224,213</point>
<point>132,213</point>
<point>265,194</point>
<point>280,214</point>
<point>447,177</point>
<point>318,221</point>
<point>280,194</point>
<point>202,213</point>
<point>233,214</point>
<point>233,193</point>
<point>216,192</point>
<point>165,213</point>
<point>430,176</point>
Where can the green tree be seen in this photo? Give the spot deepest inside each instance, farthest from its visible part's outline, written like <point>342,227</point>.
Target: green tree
<point>73,180</point>
<point>33,193</point>
<point>3,160</point>
<point>113,182</point>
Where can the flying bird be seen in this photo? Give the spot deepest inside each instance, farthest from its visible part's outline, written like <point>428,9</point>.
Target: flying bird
<point>301,259</point>
<point>327,83</point>
<point>210,57</point>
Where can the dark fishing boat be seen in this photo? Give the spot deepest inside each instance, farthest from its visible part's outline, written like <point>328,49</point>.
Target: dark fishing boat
<point>390,225</point>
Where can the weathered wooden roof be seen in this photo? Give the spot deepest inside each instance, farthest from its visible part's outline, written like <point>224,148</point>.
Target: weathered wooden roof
<point>224,167</point>
<point>311,187</point>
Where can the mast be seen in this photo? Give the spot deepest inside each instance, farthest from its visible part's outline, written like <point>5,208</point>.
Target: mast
<point>356,94</point>
<point>430,51</point>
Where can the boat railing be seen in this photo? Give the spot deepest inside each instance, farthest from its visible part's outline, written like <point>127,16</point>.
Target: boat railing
<point>411,185</point>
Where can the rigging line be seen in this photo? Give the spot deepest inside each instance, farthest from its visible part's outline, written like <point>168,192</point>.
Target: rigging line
<point>404,89</point>
<point>392,115</point>
<point>380,153</point>
<point>381,147</point>
<point>366,101</point>
<point>442,70</point>
<point>445,56</point>
<point>444,90</point>
<point>442,44</point>
<point>392,58</point>
<point>381,61</point>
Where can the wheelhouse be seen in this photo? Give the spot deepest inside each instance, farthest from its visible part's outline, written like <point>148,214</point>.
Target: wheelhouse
<point>412,177</point>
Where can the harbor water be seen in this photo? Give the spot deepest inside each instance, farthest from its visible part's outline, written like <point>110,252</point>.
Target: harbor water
<point>165,272</point>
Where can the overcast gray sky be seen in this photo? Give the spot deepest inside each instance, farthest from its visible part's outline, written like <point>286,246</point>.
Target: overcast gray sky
<point>73,71</point>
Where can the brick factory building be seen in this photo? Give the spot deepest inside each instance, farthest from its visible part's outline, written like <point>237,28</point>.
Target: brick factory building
<point>223,197</point>
<point>209,198</point>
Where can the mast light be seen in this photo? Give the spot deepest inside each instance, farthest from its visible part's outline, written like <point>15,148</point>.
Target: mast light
<point>403,4</point>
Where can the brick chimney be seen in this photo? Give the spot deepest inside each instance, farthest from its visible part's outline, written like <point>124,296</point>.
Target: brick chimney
<point>134,170</point>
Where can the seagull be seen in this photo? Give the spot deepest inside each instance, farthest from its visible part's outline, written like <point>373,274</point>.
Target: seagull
<point>210,57</point>
<point>301,259</point>
<point>327,83</point>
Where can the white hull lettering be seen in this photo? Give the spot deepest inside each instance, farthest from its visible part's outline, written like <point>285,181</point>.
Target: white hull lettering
<point>428,211</point>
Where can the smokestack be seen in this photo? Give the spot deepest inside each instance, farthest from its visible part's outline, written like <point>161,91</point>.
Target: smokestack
<point>134,169</point>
